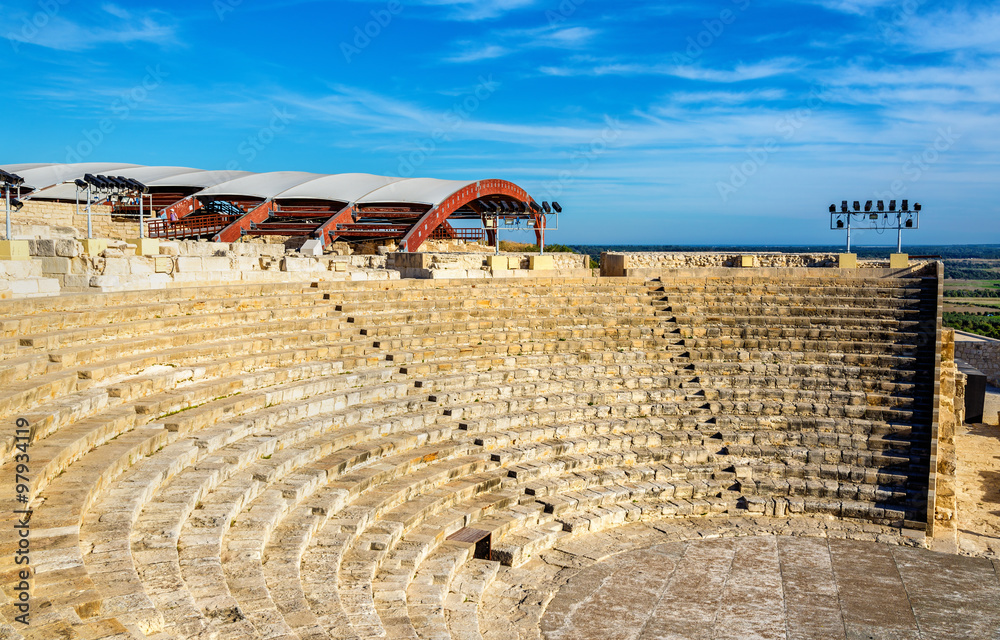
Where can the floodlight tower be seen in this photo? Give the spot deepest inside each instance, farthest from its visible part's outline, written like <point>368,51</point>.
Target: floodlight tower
<point>842,219</point>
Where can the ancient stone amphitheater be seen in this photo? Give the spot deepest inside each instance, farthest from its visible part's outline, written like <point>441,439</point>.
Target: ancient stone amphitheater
<point>676,457</point>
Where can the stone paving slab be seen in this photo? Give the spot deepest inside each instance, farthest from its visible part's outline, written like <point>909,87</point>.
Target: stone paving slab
<point>778,587</point>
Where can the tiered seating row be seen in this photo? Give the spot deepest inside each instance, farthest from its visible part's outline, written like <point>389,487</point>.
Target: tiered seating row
<point>274,462</point>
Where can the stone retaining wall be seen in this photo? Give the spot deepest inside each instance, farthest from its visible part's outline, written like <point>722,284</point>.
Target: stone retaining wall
<point>36,217</point>
<point>951,413</point>
<point>621,264</point>
<point>60,264</point>
<point>428,265</point>
<point>983,355</point>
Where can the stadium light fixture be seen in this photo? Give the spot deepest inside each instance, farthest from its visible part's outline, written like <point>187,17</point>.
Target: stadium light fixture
<point>845,218</point>
<point>546,207</point>
<point>557,207</point>
<point>16,205</point>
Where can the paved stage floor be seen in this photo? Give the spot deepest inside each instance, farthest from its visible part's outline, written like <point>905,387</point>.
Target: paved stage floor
<point>779,587</point>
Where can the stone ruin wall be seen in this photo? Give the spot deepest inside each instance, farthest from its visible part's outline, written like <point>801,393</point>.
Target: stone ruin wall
<point>644,264</point>
<point>951,414</point>
<point>983,355</point>
<point>38,218</point>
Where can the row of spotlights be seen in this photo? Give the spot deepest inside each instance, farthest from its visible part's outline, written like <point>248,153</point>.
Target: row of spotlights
<point>111,183</point>
<point>11,179</point>
<point>520,207</point>
<point>880,204</point>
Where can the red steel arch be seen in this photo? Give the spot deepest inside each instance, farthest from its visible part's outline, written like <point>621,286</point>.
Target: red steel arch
<point>431,220</point>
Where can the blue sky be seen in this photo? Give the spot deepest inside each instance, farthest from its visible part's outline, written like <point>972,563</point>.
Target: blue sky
<point>729,121</point>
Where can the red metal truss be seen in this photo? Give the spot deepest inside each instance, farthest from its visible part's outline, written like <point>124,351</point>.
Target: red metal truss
<point>327,232</point>
<point>234,231</point>
<point>430,221</point>
<point>181,208</point>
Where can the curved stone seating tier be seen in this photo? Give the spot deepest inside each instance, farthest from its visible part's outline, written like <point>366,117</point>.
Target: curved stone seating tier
<point>288,461</point>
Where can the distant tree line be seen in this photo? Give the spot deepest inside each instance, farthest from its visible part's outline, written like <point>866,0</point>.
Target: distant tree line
<point>988,325</point>
<point>953,272</point>
<point>972,293</point>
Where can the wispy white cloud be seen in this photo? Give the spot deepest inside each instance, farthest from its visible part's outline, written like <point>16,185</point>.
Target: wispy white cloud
<point>509,41</point>
<point>855,7</point>
<point>708,98</point>
<point>119,26</point>
<point>469,10</point>
<point>953,30</point>
<point>739,73</point>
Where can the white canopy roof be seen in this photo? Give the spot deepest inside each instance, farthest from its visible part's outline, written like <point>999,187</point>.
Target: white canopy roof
<point>55,181</point>
<point>48,175</point>
<point>67,190</point>
<point>416,191</point>
<point>342,187</point>
<point>14,168</point>
<point>198,178</point>
<point>260,185</point>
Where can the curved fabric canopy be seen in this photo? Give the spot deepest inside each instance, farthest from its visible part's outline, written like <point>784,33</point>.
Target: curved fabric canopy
<point>67,190</point>
<point>416,191</point>
<point>260,185</point>
<point>198,179</point>
<point>14,168</point>
<point>53,174</point>
<point>342,187</point>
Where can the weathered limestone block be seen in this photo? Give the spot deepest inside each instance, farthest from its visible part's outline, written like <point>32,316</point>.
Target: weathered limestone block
<point>56,265</point>
<point>216,263</point>
<point>169,249</point>
<point>541,263</point>
<point>105,281</point>
<point>163,264</point>
<point>68,248</point>
<point>117,267</point>
<point>189,264</point>
<point>42,247</point>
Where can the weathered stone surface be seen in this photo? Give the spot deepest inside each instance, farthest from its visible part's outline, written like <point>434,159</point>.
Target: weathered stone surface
<point>777,587</point>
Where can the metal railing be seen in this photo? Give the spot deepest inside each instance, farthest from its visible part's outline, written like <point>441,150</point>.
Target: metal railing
<point>469,235</point>
<point>189,227</point>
